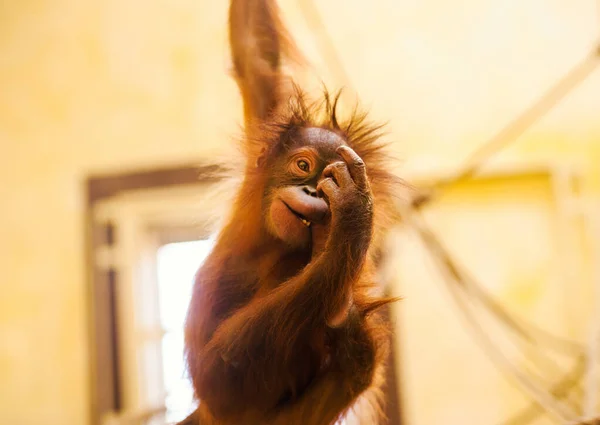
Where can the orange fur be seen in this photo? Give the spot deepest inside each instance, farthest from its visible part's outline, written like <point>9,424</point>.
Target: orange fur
<point>279,334</point>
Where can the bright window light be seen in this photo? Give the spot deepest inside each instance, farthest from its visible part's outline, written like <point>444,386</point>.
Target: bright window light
<point>177,264</point>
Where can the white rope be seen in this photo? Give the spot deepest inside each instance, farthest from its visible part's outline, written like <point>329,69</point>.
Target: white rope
<point>559,410</point>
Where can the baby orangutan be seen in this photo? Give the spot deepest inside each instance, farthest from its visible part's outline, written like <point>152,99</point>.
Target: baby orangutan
<point>283,326</point>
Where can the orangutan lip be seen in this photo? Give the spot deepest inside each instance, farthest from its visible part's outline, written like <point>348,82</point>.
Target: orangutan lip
<point>302,219</point>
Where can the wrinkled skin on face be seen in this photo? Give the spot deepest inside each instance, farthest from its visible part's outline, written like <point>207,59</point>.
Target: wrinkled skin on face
<point>297,212</point>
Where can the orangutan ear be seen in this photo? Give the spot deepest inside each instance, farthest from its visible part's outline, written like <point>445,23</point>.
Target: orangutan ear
<point>258,40</point>
<point>261,159</point>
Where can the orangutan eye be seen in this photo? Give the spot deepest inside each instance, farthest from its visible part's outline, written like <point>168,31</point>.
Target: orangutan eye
<point>303,165</point>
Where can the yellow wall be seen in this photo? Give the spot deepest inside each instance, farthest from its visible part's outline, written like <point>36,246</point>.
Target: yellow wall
<point>86,86</point>
<point>118,84</point>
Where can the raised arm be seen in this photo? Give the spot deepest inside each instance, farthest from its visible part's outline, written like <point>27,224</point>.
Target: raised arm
<point>259,42</point>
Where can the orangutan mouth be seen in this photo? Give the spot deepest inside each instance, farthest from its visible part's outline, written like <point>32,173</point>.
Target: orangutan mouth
<point>302,219</point>
<point>299,216</point>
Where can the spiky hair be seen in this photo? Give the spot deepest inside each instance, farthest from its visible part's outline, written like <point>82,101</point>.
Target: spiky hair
<point>365,137</point>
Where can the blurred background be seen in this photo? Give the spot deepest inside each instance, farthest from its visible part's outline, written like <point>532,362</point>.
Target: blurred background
<point>112,114</point>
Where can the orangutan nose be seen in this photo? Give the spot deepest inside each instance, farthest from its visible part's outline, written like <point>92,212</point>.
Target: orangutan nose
<point>303,200</point>
<point>310,191</point>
